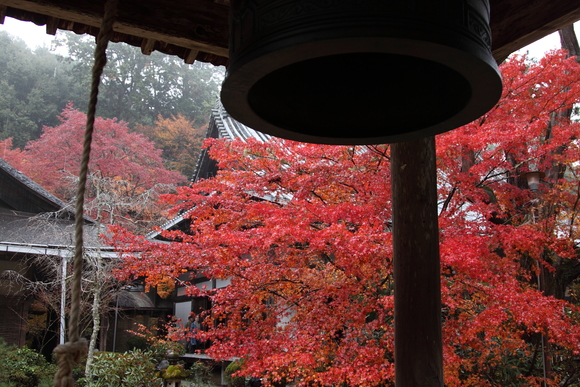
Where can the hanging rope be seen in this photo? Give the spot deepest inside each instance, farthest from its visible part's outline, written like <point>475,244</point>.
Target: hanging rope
<point>72,352</point>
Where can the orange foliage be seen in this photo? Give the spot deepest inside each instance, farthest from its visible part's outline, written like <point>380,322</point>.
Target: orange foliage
<point>179,140</point>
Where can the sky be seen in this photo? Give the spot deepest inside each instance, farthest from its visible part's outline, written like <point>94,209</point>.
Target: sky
<point>32,34</point>
<point>35,36</point>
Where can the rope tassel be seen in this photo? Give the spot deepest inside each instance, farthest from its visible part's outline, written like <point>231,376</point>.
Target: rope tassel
<point>73,351</point>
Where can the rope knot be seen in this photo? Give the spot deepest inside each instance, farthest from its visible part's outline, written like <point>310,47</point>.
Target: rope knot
<point>68,354</point>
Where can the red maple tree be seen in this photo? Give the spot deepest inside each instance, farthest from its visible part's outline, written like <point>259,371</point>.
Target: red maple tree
<point>124,166</point>
<point>303,232</point>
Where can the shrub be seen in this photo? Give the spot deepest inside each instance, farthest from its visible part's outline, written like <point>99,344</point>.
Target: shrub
<point>128,369</point>
<point>23,367</point>
<point>232,368</point>
<point>160,346</point>
<point>200,371</point>
<point>137,342</point>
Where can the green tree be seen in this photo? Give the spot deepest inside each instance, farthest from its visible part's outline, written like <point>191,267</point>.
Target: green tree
<point>35,88</point>
<point>138,88</point>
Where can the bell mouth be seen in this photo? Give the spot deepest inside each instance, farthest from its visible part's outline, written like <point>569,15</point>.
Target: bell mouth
<point>375,97</point>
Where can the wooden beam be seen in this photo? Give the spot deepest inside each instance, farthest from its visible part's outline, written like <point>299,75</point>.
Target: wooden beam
<point>197,25</point>
<point>190,56</point>
<point>418,343</point>
<point>52,26</point>
<point>517,23</point>
<point>3,10</point>
<point>68,25</point>
<point>147,46</point>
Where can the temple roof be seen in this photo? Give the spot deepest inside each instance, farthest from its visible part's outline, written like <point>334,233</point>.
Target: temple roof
<point>33,217</point>
<point>18,192</point>
<point>221,125</point>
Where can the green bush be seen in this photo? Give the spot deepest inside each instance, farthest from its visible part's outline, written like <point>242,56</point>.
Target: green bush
<point>23,367</point>
<point>235,381</point>
<point>137,342</point>
<point>200,371</point>
<point>160,349</point>
<point>145,339</point>
<point>128,369</point>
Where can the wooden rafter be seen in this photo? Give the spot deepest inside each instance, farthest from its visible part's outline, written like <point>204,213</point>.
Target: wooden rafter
<point>198,29</point>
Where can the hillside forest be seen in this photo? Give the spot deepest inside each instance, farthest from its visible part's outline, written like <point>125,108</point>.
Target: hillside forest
<point>152,117</point>
<point>157,95</point>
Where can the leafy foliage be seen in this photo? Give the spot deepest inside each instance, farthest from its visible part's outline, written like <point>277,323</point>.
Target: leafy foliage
<point>127,171</point>
<point>23,367</point>
<point>515,250</point>
<point>176,371</point>
<point>159,346</point>
<point>179,140</point>
<point>303,232</point>
<point>128,369</point>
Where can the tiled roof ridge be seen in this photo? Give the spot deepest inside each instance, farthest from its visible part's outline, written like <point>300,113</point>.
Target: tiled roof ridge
<point>221,125</point>
<point>38,189</point>
<point>21,177</point>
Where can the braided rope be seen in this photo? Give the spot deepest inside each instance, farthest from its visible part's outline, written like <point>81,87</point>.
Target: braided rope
<point>70,353</point>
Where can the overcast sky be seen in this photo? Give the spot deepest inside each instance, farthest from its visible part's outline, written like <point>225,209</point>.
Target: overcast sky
<point>32,34</point>
<point>35,36</point>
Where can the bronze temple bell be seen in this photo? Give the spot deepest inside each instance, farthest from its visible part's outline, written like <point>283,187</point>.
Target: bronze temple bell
<point>359,71</point>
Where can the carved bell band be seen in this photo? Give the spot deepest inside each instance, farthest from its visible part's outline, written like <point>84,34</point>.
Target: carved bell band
<point>359,71</point>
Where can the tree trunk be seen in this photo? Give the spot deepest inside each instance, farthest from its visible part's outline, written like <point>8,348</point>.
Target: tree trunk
<point>104,330</point>
<point>96,311</point>
<point>418,344</point>
<point>569,41</point>
<point>99,268</point>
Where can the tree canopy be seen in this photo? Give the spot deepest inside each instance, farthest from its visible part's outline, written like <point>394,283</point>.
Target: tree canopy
<point>303,232</point>
<point>179,141</point>
<point>149,93</point>
<point>139,88</point>
<point>34,89</point>
<point>126,169</point>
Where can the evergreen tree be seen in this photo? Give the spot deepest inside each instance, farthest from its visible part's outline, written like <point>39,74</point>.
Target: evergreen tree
<point>35,88</point>
<point>137,88</point>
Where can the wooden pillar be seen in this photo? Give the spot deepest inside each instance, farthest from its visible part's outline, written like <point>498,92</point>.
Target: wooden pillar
<point>418,346</point>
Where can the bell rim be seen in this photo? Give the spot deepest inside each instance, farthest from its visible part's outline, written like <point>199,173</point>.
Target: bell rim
<point>477,67</point>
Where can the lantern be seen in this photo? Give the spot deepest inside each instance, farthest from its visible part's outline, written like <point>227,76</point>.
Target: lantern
<point>533,179</point>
